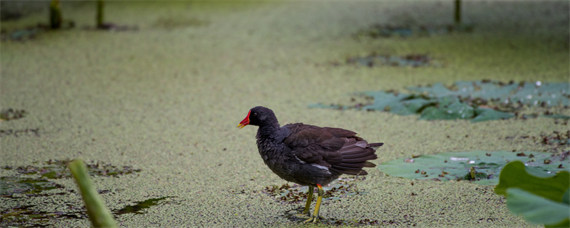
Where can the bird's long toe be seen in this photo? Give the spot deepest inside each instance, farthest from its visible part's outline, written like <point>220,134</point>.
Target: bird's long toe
<point>313,219</point>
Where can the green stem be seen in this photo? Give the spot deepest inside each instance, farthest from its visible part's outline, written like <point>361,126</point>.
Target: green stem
<point>100,15</point>
<point>457,12</point>
<point>99,215</point>
<point>55,18</point>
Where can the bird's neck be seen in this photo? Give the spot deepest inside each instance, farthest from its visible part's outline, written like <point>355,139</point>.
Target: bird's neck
<point>268,130</point>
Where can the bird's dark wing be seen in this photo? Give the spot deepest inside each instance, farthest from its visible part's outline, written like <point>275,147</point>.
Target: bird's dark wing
<point>338,149</point>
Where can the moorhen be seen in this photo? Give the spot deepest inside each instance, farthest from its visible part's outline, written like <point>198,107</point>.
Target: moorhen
<point>307,154</point>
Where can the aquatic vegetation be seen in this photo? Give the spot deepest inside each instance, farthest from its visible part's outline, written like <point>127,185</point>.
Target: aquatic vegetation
<point>55,15</point>
<point>12,114</point>
<point>57,22</point>
<point>387,31</point>
<point>410,60</point>
<point>100,13</point>
<point>37,177</point>
<point>539,198</point>
<point>482,167</point>
<point>294,215</point>
<point>472,100</point>
<point>140,205</point>
<point>99,214</point>
<point>20,132</point>
<point>30,216</point>
<point>35,181</point>
<point>14,186</point>
<point>337,190</point>
<point>555,141</point>
<point>295,193</point>
<point>511,93</point>
<point>56,169</point>
<point>179,22</point>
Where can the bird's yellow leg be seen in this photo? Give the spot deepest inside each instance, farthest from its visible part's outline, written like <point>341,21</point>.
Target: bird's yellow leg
<point>309,200</point>
<point>315,216</point>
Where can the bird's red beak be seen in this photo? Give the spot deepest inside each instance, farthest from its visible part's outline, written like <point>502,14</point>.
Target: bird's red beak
<point>245,121</point>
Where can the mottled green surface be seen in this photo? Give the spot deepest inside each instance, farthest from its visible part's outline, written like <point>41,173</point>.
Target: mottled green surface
<point>481,167</point>
<point>475,100</point>
<point>167,98</point>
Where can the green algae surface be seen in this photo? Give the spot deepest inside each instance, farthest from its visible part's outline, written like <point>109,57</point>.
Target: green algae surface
<point>166,98</point>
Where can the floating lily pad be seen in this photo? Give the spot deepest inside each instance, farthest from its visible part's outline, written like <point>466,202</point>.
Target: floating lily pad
<point>479,166</point>
<point>484,114</point>
<point>537,93</point>
<point>448,108</point>
<point>471,100</point>
<point>389,102</point>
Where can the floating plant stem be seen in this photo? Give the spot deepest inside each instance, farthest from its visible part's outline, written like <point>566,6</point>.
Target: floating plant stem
<point>99,215</point>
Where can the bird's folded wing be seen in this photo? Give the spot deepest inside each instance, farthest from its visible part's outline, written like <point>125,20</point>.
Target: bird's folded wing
<point>335,148</point>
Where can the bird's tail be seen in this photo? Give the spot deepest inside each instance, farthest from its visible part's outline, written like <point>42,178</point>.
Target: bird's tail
<point>375,145</point>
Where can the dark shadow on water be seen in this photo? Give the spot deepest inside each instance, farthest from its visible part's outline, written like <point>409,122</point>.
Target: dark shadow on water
<point>140,205</point>
<point>296,215</point>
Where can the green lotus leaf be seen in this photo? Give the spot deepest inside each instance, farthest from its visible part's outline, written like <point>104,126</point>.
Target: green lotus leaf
<point>482,167</point>
<point>484,114</point>
<point>517,175</point>
<point>537,209</point>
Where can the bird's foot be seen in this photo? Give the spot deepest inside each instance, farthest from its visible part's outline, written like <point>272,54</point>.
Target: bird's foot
<point>303,215</point>
<point>313,219</point>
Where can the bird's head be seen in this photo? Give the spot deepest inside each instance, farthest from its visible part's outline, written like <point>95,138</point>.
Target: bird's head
<point>258,116</point>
